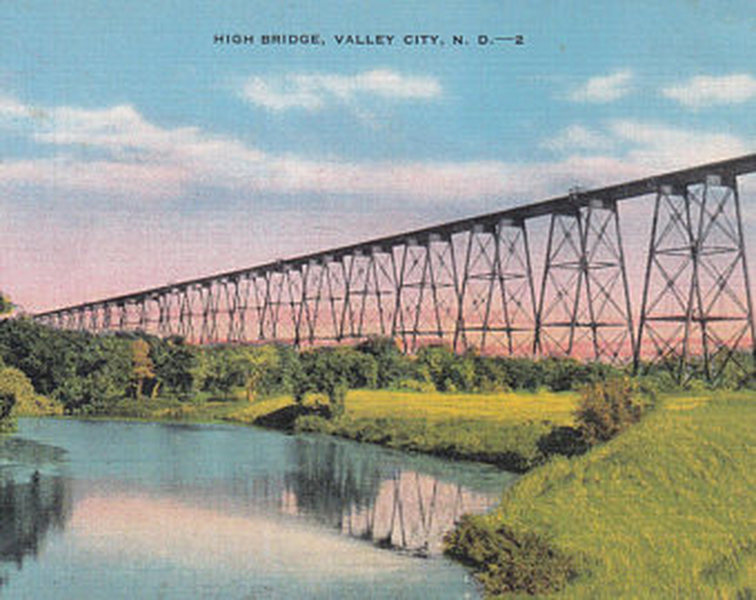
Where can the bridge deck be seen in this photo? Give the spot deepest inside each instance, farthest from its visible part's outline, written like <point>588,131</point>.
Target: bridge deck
<point>726,169</point>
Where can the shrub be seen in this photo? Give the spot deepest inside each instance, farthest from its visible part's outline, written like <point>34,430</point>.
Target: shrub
<point>507,561</point>
<point>563,440</point>
<point>606,408</point>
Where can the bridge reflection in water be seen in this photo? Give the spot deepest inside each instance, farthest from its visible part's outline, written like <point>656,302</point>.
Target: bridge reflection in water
<point>389,505</point>
<point>413,512</point>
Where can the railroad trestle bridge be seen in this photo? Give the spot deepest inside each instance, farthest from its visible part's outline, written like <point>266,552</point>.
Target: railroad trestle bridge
<point>472,282</point>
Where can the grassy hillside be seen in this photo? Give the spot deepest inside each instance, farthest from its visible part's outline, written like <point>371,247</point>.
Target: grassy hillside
<point>665,510</point>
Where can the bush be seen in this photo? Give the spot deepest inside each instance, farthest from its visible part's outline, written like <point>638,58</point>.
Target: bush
<point>563,440</point>
<point>447,371</point>
<point>507,561</point>
<point>607,408</point>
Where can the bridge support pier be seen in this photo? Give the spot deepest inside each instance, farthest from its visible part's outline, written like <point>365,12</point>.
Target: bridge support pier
<point>584,306</point>
<point>697,307</point>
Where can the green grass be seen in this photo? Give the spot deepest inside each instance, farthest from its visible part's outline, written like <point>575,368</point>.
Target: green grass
<point>502,429</point>
<point>665,510</point>
<point>504,407</point>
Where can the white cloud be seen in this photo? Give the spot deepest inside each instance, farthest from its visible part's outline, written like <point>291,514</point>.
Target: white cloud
<point>10,107</point>
<point>702,91</point>
<point>653,146</point>
<point>662,148</point>
<point>604,89</point>
<point>315,91</point>
<point>115,153</point>
<point>578,137</point>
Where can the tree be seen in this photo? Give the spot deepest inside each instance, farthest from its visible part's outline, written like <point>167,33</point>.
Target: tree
<point>326,372</point>
<point>392,365</point>
<point>176,365</point>
<point>447,371</point>
<point>220,369</point>
<point>142,367</point>
<point>14,388</point>
<point>262,368</point>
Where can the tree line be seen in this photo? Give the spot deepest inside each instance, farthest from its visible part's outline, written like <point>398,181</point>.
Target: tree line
<point>86,373</point>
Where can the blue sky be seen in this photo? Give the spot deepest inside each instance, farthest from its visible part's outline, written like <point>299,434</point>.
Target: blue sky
<point>134,151</point>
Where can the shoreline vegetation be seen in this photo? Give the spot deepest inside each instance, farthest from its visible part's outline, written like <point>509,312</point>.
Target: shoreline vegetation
<point>631,487</point>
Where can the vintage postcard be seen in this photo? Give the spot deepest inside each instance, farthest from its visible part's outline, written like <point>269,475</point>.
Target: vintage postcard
<point>290,288</point>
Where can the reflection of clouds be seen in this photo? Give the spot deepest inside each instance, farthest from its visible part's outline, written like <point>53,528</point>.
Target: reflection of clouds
<point>138,527</point>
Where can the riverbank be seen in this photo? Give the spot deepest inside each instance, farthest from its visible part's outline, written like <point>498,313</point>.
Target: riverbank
<point>664,510</point>
<point>505,429</point>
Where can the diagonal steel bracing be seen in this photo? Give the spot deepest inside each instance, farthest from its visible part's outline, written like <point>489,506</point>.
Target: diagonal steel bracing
<point>470,284</point>
<point>584,307</point>
<point>696,309</point>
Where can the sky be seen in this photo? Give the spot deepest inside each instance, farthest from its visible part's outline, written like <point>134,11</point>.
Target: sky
<point>137,150</point>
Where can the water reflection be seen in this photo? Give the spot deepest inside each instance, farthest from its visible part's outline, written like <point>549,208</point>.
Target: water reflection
<point>391,505</point>
<point>141,528</point>
<point>388,498</point>
<point>233,512</point>
<point>33,500</point>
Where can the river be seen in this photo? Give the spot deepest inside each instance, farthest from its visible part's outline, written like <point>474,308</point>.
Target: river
<point>109,509</point>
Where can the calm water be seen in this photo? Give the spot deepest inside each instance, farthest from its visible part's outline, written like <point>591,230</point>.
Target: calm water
<point>134,510</point>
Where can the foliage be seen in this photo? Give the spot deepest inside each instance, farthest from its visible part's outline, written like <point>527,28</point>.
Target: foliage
<point>332,371</point>
<point>392,366</point>
<point>563,440</point>
<point>222,368</point>
<point>736,370</point>
<point>46,356</point>
<point>13,383</point>
<point>508,561</point>
<point>448,372</point>
<point>6,306</point>
<point>606,409</point>
<point>413,385</point>
<point>88,373</point>
<point>491,374</point>
<point>176,365</point>
<point>142,367</point>
<point>560,374</point>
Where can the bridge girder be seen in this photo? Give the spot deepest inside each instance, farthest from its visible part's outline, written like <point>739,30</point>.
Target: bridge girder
<point>470,283</point>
